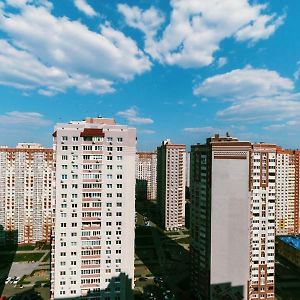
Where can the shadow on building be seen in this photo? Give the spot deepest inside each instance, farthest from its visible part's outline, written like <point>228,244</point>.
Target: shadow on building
<point>8,249</point>
<point>149,209</point>
<point>141,189</point>
<point>225,291</point>
<point>119,288</point>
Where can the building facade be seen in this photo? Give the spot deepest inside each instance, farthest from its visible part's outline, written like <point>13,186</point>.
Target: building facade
<point>146,172</point>
<point>287,192</point>
<point>232,219</point>
<point>93,232</point>
<point>171,168</point>
<point>26,193</point>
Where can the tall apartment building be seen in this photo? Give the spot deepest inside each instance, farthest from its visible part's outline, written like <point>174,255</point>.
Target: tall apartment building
<point>171,168</point>
<point>93,234</point>
<point>262,222</point>
<point>232,219</point>
<point>146,163</point>
<point>287,192</point>
<point>26,193</point>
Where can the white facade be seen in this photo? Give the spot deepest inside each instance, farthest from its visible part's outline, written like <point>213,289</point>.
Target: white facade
<point>262,229</point>
<point>93,240</point>
<point>26,192</point>
<point>146,163</point>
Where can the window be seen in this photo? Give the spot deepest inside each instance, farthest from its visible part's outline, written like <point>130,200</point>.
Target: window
<point>75,148</point>
<point>109,139</point>
<point>119,149</point>
<point>64,138</point>
<point>64,148</point>
<point>119,157</point>
<point>119,176</point>
<point>64,157</point>
<point>75,138</point>
<point>119,140</point>
<point>109,167</point>
<point>64,167</point>
<point>64,176</point>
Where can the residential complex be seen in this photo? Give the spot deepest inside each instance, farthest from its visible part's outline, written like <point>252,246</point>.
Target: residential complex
<point>232,219</point>
<point>93,228</point>
<point>171,168</point>
<point>146,175</point>
<point>25,193</point>
<point>287,192</point>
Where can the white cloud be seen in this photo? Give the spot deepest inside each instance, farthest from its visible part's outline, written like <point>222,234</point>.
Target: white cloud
<point>22,70</point>
<point>91,60</point>
<point>131,115</point>
<point>197,28</point>
<point>87,9</point>
<point>284,126</point>
<point>208,130</point>
<point>146,131</point>
<point>148,21</point>
<point>222,61</point>
<point>297,73</point>
<point>244,83</point>
<point>254,95</point>
<point>18,118</point>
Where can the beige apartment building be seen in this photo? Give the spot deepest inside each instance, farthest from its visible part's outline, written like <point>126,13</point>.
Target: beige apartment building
<point>93,228</point>
<point>26,193</point>
<point>146,173</point>
<point>171,177</point>
<point>232,219</point>
<point>287,192</point>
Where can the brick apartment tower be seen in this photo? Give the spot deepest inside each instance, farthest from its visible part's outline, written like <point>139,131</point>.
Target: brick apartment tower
<point>146,172</point>
<point>171,168</point>
<point>93,236</point>
<point>232,219</point>
<point>25,193</point>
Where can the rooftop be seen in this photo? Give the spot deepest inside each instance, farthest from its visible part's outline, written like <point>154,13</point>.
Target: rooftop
<point>293,241</point>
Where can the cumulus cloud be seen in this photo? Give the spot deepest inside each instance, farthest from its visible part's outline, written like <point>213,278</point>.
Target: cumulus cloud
<point>90,60</point>
<point>18,118</point>
<point>131,115</point>
<point>244,83</point>
<point>146,131</point>
<point>197,27</point>
<point>254,95</point>
<point>22,70</point>
<point>84,7</point>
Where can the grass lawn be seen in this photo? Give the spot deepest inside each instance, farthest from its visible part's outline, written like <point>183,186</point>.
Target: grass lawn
<point>25,247</point>
<point>47,257</point>
<point>28,257</point>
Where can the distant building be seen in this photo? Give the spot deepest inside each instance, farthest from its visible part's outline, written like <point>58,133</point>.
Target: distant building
<point>287,192</point>
<point>171,168</point>
<point>26,193</point>
<point>232,219</point>
<point>146,187</point>
<point>93,233</point>
<point>187,172</point>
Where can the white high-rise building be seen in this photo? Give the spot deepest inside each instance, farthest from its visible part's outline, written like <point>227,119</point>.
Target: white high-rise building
<point>171,168</point>
<point>93,234</point>
<point>146,163</point>
<point>25,193</point>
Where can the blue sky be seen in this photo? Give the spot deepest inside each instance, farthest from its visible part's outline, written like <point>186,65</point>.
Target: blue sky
<point>180,69</point>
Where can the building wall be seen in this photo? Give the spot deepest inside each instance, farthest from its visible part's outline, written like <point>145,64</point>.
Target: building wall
<point>262,226</point>
<point>93,241</point>
<point>171,164</point>
<point>146,163</point>
<point>26,191</point>
<point>230,216</point>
